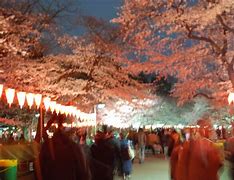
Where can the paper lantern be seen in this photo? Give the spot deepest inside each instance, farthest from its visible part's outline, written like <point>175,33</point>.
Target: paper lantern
<point>69,110</point>
<point>66,112</point>
<point>62,109</point>
<point>73,110</point>
<point>52,106</point>
<point>46,102</point>
<point>1,89</point>
<point>77,114</point>
<point>57,108</point>
<point>38,98</point>
<point>21,98</point>
<point>230,98</point>
<point>30,99</point>
<point>10,93</point>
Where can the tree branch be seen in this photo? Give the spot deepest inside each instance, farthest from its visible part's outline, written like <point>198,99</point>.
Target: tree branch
<point>225,26</point>
<point>179,10</point>
<point>200,38</point>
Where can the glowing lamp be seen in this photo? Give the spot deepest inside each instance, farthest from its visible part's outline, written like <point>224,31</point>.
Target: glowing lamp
<point>230,98</point>
<point>52,106</point>
<point>21,98</point>
<point>10,93</point>
<point>38,98</point>
<point>30,98</point>
<point>46,102</point>
<point>1,88</point>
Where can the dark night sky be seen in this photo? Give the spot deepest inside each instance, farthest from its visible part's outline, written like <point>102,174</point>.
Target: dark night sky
<point>105,9</point>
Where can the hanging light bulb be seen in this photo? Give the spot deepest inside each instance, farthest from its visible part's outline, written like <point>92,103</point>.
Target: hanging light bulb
<point>38,98</point>
<point>29,98</point>
<point>46,102</point>
<point>21,98</point>
<point>1,88</point>
<point>10,93</point>
<point>52,106</point>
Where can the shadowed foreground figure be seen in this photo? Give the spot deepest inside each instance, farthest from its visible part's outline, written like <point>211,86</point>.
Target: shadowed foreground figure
<point>229,155</point>
<point>197,159</point>
<point>106,151</point>
<point>62,159</point>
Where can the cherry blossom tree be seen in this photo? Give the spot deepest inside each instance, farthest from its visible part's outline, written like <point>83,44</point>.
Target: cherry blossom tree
<point>18,37</point>
<point>90,74</point>
<point>192,40</point>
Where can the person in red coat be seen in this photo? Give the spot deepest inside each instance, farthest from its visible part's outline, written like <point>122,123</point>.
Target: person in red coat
<point>198,159</point>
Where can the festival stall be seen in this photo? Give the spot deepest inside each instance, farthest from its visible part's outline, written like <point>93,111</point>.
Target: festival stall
<point>24,156</point>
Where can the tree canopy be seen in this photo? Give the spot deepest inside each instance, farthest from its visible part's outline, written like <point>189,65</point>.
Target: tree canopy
<point>191,40</point>
<point>85,73</point>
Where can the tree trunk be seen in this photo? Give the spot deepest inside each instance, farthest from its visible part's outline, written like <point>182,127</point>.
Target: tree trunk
<point>231,71</point>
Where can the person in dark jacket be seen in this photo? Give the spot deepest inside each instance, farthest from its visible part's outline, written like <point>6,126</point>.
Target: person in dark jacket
<point>61,158</point>
<point>106,150</point>
<point>126,161</point>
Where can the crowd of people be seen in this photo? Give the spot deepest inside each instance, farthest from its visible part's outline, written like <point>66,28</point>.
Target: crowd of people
<point>75,154</point>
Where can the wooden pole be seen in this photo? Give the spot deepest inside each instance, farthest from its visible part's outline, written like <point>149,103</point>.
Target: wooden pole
<point>95,121</point>
<point>41,123</point>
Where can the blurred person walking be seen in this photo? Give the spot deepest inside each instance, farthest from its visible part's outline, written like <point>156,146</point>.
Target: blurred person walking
<point>141,140</point>
<point>199,159</point>
<point>61,158</point>
<point>126,156</point>
<point>229,155</point>
<point>106,150</point>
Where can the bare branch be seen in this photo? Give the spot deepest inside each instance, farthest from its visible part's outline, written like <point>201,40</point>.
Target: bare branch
<point>200,38</point>
<point>225,26</point>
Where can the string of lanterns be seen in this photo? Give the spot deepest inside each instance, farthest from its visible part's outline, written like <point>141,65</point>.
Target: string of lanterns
<point>49,105</point>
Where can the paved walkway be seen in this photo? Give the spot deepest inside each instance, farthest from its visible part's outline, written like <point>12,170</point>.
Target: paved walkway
<point>158,169</point>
